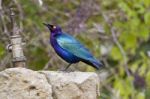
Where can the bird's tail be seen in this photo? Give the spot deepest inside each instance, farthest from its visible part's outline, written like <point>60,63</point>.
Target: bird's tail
<point>97,64</point>
<point>94,63</point>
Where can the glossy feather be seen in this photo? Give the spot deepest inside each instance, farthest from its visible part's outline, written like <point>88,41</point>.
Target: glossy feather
<point>70,44</point>
<point>70,49</point>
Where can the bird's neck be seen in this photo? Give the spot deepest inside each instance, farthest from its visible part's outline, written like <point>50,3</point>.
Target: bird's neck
<point>53,35</point>
<point>53,39</point>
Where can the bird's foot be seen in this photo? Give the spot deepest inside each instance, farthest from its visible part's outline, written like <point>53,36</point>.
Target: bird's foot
<point>64,70</point>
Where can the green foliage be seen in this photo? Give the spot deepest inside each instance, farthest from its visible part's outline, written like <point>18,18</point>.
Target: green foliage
<point>37,63</point>
<point>134,26</point>
<point>2,51</point>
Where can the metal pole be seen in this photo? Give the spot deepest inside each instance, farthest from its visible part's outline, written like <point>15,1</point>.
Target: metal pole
<point>16,46</point>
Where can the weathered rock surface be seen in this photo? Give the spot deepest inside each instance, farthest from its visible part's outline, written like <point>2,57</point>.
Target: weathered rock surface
<point>73,85</point>
<point>21,83</point>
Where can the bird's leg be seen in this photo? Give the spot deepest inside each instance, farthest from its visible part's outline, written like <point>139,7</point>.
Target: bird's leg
<point>67,67</point>
<point>64,69</point>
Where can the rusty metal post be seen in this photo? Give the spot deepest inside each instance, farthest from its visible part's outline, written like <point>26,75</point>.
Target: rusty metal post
<point>17,51</point>
<point>16,46</point>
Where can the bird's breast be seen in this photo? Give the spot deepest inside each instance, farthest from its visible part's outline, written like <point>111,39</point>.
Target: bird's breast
<point>64,54</point>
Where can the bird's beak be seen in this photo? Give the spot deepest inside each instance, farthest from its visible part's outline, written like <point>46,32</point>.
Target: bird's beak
<point>49,26</point>
<point>45,24</point>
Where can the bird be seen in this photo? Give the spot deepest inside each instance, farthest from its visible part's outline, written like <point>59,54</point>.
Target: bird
<point>70,49</point>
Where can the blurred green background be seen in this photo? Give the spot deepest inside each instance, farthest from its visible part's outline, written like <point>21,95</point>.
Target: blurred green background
<point>115,31</point>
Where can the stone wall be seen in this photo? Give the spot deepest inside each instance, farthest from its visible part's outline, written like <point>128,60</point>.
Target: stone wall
<point>21,83</point>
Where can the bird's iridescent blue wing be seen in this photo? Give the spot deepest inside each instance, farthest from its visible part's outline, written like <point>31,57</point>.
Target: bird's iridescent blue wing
<point>73,46</point>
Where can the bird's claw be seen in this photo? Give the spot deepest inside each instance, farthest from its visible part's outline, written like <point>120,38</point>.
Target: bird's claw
<point>64,70</point>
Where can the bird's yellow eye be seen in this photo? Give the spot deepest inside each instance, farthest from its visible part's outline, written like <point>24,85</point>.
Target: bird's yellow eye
<point>54,27</point>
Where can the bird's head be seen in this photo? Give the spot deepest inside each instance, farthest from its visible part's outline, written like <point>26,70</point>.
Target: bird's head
<point>53,28</point>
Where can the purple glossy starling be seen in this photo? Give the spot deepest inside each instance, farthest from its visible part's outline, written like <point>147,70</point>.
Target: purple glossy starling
<point>70,49</point>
